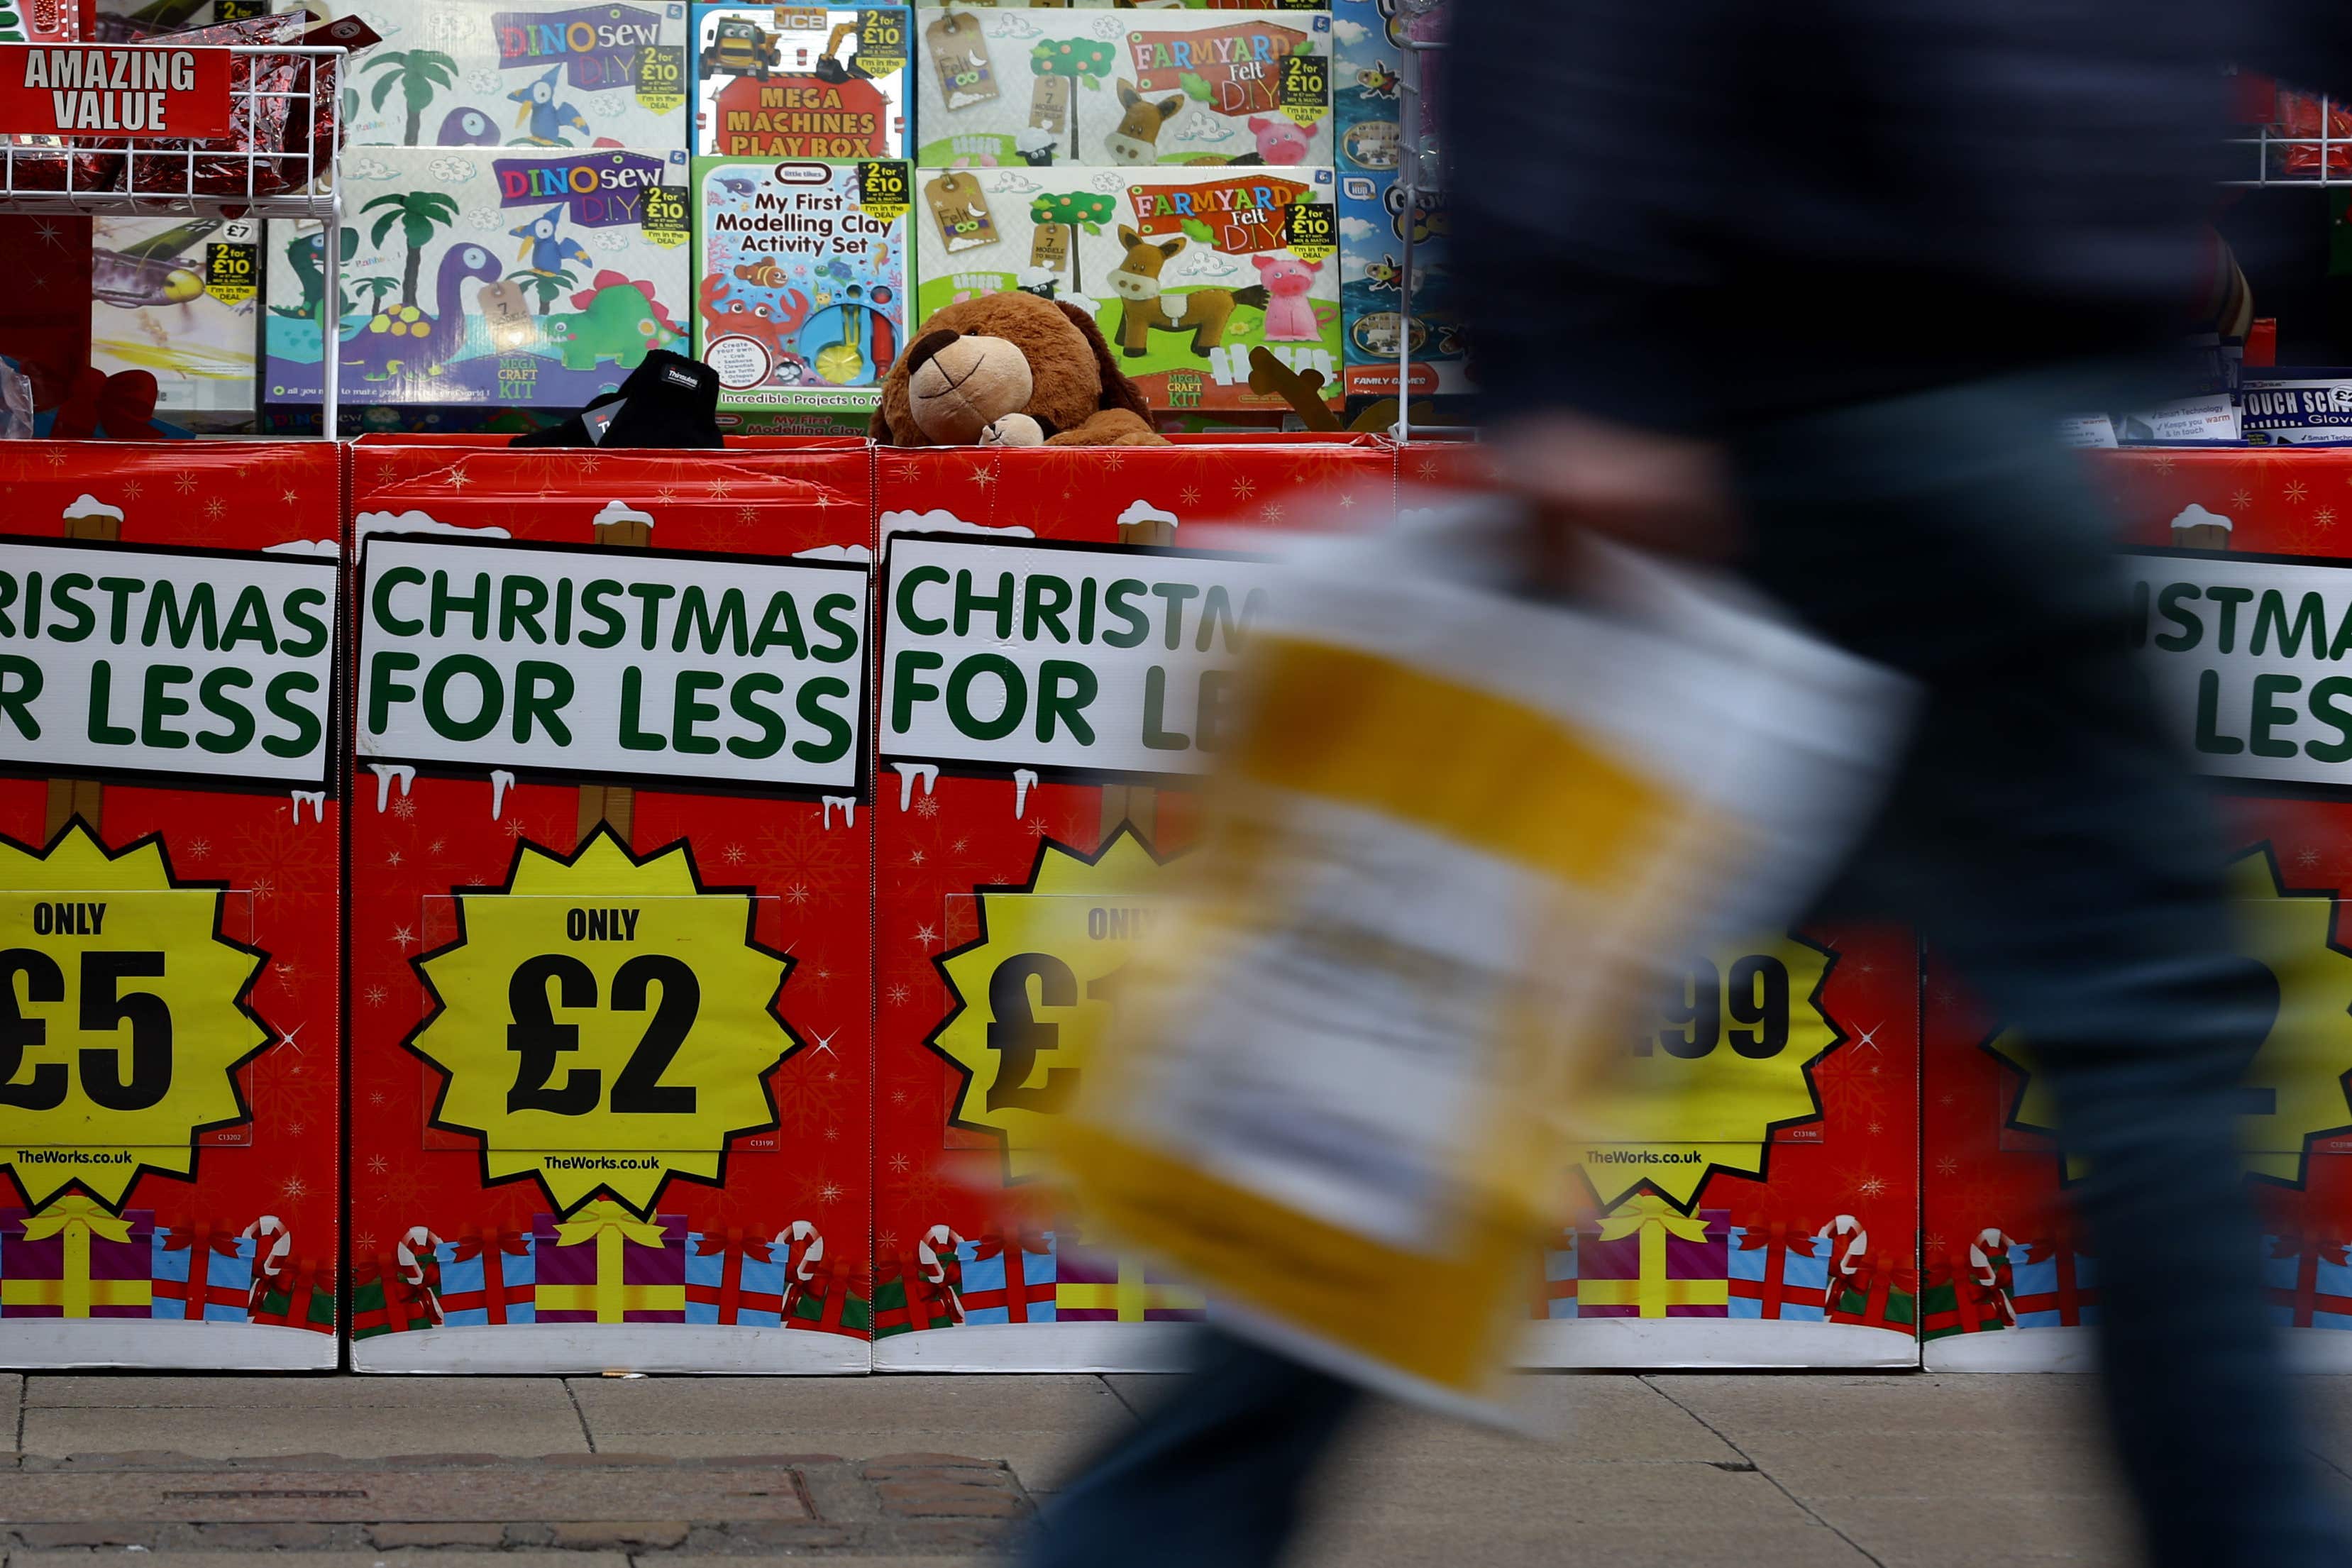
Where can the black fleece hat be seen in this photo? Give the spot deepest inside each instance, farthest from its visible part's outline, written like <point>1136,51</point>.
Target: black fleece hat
<point>669,401</point>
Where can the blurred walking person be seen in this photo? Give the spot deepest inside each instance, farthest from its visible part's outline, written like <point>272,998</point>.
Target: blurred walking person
<point>1803,290</point>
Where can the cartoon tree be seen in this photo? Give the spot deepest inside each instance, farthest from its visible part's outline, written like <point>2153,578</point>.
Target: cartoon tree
<point>418,214</point>
<point>547,286</point>
<point>1073,210</point>
<point>1083,61</point>
<point>419,74</point>
<point>375,289</point>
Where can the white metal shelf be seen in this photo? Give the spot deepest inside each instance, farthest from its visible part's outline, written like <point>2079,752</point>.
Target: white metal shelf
<point>298,182</point>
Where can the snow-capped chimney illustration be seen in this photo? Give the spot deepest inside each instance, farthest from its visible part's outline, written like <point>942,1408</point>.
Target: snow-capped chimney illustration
<point>2194,527</point>
<point>87,518</point>
<point>618,526</point>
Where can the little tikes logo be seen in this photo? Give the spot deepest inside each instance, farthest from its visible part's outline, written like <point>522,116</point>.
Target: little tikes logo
<point>597,45</point>
<point>599,189</point>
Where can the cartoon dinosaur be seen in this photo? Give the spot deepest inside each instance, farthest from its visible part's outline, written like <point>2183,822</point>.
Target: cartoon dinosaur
<point>404,342</point>
<point>302,254</point>
<point>541,251</point>
<point>468,128</point>
<point>542,114</point>
<point>620,324</point>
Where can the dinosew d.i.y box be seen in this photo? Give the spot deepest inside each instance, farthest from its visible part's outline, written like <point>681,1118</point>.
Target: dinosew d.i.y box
<point>477,277</point>
<point>493,73</point>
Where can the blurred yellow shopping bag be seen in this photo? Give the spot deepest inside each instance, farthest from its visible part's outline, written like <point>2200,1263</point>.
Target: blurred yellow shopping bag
<point>1454,831</point>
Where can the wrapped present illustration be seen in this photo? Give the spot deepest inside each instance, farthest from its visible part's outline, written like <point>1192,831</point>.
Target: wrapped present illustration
<point>1883,1292</point>
<point>1648,1259</point>
<point>829,1294</point>
<point>390,1295</point>
<point>908,1296</point>
<point>1972,1292</point>
<point>1779,1268</point>
<point>485,1277</point>
<point>1007,1277</point>
<point>736,1277</point>
<point>605,1265</point>
<point>1097,1288</point>
<point>2309,1280</point>
<point>299,1295</point>
<point>203,1272</point>
<point>74,1259</point>
<point>1555,1288</point>
<point>2056,1283</point>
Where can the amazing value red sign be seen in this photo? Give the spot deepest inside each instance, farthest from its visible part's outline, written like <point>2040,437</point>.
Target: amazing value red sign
<point>85,92</point>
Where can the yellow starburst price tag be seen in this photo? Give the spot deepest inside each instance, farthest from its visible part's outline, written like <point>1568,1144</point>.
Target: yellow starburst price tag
<point>123,1016</point>
<point>1036,988</point>
<point>2294,1089</point>
<point>1703,1086</point>
<point>605,1022</point>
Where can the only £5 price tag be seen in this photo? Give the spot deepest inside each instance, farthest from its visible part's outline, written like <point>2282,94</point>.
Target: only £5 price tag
<point>123,1016</point>
<point>604,1022</point>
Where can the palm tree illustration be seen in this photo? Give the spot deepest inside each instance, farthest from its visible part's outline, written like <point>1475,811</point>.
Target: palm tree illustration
<point>419,74</point>
<point>375,289</point>
<point>548,285</point>
<point>418,214</point>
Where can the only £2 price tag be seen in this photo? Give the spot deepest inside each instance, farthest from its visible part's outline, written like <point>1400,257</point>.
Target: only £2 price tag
<point>604,1022</point>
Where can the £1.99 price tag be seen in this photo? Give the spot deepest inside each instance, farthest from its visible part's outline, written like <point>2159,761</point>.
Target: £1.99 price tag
<point>604,1022</point>
<point>1704,1086</point>
<point>123,1016</point>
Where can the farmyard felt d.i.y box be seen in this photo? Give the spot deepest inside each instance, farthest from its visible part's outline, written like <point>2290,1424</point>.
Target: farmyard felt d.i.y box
<point>802,295</point>
<point>170,905</point>
<point>781,83</point>
<point>1185,270</point>
<point>1127,90</point>
<point>612,969</point>
<point>473,276</point>
<point>497,73</point>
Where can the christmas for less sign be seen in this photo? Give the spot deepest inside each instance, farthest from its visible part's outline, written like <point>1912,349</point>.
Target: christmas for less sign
<point>192,663</point>
<point>644,664</point>
<point>1042,656</point>
<point>2255,660</point>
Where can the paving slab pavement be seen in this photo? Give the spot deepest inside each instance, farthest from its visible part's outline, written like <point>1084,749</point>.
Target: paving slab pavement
<point>1696,1470</point>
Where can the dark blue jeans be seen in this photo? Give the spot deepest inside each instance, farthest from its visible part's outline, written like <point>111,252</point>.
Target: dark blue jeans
<point>2050,846</point>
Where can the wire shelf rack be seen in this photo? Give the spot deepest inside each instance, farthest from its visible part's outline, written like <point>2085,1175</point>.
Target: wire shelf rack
<point>280,161</point>
<point>2309,143</point>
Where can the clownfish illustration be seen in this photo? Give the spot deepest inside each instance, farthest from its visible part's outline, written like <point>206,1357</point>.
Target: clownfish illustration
<point>762,275</point>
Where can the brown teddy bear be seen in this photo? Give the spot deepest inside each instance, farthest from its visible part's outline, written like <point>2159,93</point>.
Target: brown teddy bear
<point>1011,370</point>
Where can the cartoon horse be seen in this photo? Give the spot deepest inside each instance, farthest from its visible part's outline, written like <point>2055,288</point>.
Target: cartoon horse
<point>1136,138</point>
<point>1143,309</point>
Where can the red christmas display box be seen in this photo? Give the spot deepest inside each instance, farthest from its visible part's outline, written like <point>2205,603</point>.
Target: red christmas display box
<point>1750,1186</point>
<point>611,959</point>
<point>1054,654</point>
<point>170,917</point>
<point>2238,587</point>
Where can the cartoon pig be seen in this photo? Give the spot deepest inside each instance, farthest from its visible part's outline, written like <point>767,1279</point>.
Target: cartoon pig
<point>1289,317</point>
<point>1280,141</point>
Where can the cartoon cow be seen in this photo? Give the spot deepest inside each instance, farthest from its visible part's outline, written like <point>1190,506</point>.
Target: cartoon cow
<point>1143,309</point>
<point>1137,140</point>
